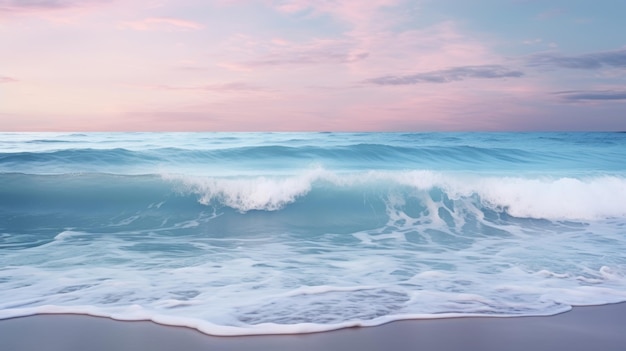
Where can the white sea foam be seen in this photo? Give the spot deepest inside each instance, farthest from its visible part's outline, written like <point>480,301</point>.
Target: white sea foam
<point>238,299</point>
<point>274,285</point>
<point>561,198</point>
<point>245,194</point>
<point>556,199</point>
<point>68,234</point>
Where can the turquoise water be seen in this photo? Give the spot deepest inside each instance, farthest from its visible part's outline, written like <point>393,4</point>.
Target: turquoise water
<point>252,233</point>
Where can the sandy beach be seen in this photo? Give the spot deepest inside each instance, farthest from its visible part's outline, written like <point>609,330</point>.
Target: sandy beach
<point>583,328</point>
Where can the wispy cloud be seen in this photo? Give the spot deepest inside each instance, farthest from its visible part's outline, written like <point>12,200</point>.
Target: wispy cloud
<point>532,41</point>
<point>310,57</point>
<point>282,52</point>
<point>616,58</point>
<point>4,79</point>
<point>51,11</point>
<point>592,95</point>
<point>352,11</point>
<point>449,75</point>
<point>17,6</point>
<point>223,87</point>
<point>162,24</point>
<point>552,13</point>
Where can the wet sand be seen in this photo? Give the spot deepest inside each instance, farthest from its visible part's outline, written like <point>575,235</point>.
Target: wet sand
<point>583,328</point>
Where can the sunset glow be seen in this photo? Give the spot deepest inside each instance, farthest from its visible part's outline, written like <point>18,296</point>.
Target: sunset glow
<point>296,65</point>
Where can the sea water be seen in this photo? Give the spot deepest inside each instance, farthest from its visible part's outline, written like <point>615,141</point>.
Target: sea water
<point>253,233</point>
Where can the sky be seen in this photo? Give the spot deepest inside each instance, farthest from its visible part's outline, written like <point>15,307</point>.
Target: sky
<point>324,65</point>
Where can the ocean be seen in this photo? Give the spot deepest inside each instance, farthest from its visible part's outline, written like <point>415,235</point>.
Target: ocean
<point>270,233</point>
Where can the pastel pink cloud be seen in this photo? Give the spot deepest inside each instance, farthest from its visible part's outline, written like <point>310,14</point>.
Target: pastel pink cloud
<point>162,24</point>
<point>4,79</point>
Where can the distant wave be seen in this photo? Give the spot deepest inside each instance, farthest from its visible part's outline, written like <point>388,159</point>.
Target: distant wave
<point>261,159</point>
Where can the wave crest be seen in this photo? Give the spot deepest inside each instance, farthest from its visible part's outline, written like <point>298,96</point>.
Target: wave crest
<point>260,193</point>
<point>561,198</point>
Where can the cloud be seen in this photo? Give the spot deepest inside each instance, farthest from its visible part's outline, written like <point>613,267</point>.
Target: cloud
<point>592,95</point>
<point>616,58</point>
<point>532,41</point>
<point>449,75</point>
<point>223,87</point>
<point>162,24</point>
<point>308,57</point>
<point>552,13</point>
<point>53,11</point>
<point>17,6</point>
<point>4,79</point>
<point>352,11</point>
<point>283,52</point>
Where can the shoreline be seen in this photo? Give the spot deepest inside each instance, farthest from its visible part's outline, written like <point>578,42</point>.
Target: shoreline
<point>582,328</point>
